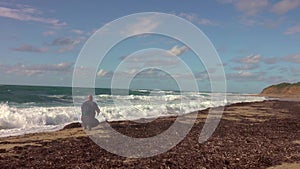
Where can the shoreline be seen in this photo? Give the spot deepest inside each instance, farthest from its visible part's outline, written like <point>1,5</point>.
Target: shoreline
<point>75,123</point>
<point>250,135</point>
<point>61,126</point>
<point>291,99</point>
<point>279,96</point>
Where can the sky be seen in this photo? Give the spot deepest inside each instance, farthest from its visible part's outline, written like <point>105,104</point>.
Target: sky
<point>256,40</point>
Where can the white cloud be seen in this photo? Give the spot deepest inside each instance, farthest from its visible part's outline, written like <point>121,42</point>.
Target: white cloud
<point>244,74</point>
<point>77,31</point>
<point>267,23</point>
<point>248,7</point>
<point>250,59</point>
<point>28,14</point>
<point>67,44</point>
<point>247,67</point>
<point>49,33</point>
<point>29,48</point>
<point>177,51</point>
<point>39,69</point>
<point>66,49</point>
<point>292,58</point>
<point>284,6</point>
<point>273,79</point>
<point>101,73</point>
<point>249,21</point>
<point>273,23</point>
<point>145,24</point>
<point>60,66</point>
<point>64,41</point>
<point>154,58</point>
<point>195,19</point>
<point>293,30</point>
<point>147,73</point>
<point>271,60</point>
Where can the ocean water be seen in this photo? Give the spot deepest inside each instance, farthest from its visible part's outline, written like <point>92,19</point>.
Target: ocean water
<point>31,109</point>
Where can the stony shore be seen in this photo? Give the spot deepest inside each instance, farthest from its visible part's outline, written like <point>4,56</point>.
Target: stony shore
<point>250,135</point>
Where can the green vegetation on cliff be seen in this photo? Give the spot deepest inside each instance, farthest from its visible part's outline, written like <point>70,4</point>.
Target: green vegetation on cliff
<point>282,89</point>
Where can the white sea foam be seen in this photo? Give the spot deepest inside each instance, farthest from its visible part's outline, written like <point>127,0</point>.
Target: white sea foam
<point>18,120</point>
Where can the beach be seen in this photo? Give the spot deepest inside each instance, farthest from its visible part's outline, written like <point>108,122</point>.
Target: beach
<point>150,84</point>
<point>250,135</point>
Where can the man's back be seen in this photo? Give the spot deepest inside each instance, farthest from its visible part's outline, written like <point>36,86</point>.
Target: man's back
<point>89,108</point>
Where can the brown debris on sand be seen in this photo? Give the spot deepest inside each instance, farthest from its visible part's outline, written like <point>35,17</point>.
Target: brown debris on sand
<point>250,135</point>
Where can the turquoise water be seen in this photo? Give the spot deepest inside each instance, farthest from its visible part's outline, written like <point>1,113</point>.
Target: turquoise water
<point>43,94</point>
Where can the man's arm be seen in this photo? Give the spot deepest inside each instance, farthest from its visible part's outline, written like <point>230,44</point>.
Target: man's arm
<point>97,109</point>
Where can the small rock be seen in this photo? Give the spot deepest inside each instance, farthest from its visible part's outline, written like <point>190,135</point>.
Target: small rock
<point>72,125</point>
<point>2,150</point>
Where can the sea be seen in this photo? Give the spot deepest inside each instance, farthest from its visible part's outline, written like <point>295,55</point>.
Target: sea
<point>33,109</point>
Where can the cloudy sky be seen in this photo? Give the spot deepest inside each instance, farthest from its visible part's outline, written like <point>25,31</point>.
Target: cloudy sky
<point>257,40</point>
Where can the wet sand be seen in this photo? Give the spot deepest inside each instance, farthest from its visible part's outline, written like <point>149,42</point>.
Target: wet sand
<point>250,135</point>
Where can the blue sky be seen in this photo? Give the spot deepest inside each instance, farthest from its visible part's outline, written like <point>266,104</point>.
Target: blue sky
<point>257,40</point>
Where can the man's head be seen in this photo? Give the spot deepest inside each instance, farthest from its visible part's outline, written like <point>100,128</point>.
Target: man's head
<point>90,97</point>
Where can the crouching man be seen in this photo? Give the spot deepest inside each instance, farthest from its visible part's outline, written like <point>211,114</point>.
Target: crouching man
<point>88,110</point>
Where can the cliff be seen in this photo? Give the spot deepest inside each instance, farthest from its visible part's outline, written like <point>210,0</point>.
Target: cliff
<point>282,90</point>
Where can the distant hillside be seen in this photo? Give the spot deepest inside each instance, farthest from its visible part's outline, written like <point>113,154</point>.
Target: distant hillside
<point>282,90</point>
